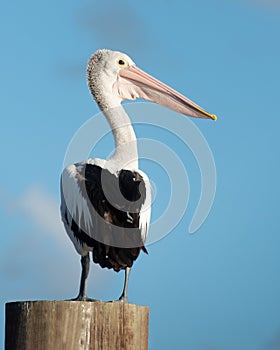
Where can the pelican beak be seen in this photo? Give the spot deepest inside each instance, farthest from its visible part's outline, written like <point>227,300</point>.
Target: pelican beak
<point>134,83</point>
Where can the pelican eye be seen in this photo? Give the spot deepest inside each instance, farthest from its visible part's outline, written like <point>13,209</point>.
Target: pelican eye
<point>122,63</point>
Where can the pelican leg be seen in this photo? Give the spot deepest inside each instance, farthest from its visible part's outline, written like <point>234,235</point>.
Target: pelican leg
<point>82,296</point>
<point>123,297</point>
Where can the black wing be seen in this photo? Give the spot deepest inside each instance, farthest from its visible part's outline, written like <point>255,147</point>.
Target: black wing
<point>114,203</point>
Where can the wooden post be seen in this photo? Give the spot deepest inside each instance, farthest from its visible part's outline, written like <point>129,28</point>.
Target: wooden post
<point>75,325</point>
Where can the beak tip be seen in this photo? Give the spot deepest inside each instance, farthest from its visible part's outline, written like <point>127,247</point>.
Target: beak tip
<point>214,117</point>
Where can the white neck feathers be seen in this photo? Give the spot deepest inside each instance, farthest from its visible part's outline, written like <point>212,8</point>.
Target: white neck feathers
<point>126,153</point>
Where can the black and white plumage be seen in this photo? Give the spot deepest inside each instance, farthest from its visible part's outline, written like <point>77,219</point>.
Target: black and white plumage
<point>105,204</point>
<point>119,229</point>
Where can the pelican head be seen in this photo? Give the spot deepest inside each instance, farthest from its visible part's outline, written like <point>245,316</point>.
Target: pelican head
<point>113,77</point>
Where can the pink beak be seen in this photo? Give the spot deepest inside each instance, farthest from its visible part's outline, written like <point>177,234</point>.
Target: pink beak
<point>134,83</point>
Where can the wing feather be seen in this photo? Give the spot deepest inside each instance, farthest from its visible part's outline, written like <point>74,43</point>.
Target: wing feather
<point>113,230</point>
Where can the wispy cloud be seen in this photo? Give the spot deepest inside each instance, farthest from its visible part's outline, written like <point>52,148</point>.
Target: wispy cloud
<point>43,209</point>
<point>269,4</point>
<point>43,250</point>
<point>274,344</point>
<point>115,26</point>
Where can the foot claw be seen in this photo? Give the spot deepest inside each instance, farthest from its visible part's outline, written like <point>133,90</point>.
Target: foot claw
<point>122,299</point>
<point>83,298</point>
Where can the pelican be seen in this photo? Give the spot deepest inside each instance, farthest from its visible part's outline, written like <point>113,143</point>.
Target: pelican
<point>105,204</point>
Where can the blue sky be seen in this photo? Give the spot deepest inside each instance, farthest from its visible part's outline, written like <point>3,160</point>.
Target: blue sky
<point>217,289</point>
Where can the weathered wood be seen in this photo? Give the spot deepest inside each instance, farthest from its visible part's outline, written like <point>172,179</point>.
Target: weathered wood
<point>75,325</point>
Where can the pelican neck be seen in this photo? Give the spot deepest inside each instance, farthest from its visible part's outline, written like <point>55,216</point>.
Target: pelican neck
<point>126,152</point>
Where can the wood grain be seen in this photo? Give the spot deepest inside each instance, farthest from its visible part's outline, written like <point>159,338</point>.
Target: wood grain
<point>75,325</point>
